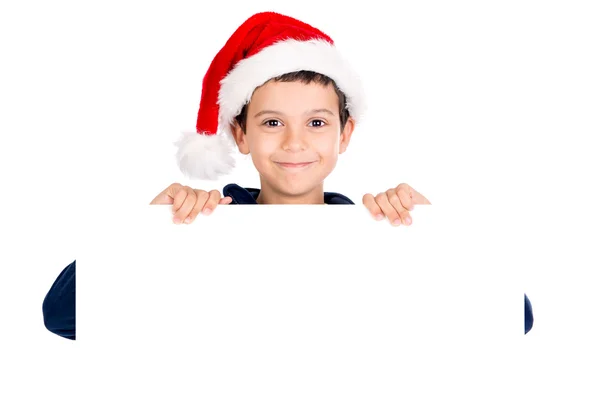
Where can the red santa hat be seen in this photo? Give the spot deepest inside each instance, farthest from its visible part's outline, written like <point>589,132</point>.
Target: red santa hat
<point>265,46</point>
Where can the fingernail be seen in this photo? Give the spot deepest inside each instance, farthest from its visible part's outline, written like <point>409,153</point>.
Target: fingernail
<point>408,220</point>
<point>379,217</point>
<point>397,222</point>
<point>176,220</point>
<point>206,211</point>
<point>188,220</point>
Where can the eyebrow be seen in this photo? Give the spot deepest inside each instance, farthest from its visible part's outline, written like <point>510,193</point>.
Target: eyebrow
<point>315,111</point>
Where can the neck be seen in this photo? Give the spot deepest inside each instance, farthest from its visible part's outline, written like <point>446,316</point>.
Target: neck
<point>269,195</point>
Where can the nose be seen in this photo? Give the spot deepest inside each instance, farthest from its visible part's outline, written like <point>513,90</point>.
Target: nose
<point>294,139</point>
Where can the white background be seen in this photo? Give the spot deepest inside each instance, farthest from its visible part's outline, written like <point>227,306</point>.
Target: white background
<point>489,110</point>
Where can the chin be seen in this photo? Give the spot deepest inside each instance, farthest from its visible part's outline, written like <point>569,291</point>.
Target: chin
<point>296,184</point>
<point>296,190</point>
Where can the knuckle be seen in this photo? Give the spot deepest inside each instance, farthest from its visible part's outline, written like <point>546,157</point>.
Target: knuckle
<point>380,196</point>
<point>201,194</point>
<point>401,192</point>
<point>179,196</point>
<point>215,198</point>
<point>395,201</point>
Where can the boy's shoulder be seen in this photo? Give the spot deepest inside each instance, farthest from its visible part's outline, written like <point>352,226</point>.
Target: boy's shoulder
<point>240,195</point>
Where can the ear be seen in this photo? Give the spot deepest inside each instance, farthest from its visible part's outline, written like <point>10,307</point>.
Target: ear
<point>346,134</point>
<point>240,138</point>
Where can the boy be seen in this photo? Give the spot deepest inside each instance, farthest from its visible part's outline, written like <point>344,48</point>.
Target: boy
<point>283,94</point>
<point>273,119</point>
<point>280,91</point>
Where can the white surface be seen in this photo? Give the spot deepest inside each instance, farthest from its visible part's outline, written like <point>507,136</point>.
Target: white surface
<point>293,302</point>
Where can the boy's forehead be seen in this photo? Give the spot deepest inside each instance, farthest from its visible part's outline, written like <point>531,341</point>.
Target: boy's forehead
<point>294,95</point>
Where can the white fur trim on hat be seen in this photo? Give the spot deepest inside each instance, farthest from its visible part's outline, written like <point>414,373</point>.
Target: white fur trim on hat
<point>202,156</point>
<point>281,58</point>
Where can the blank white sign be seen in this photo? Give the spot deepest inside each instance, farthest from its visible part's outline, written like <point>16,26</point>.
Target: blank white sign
<point>294,302</point>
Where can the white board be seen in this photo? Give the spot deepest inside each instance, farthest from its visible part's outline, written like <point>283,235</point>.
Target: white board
<point>292,302</point>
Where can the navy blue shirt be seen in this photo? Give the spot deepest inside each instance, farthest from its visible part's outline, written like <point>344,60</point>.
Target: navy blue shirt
<point>59,303</point>
<point>58,307</point>
<point>528,315</point>
<point>240,195</point>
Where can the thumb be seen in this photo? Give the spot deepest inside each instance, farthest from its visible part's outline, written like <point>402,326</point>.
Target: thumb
<point>167,196</point>
<point>225,200</point>
<point>418,198</point>
<point>162,199</point>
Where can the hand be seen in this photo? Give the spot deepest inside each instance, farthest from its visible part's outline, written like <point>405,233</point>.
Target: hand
<point>395,204</point>
<point>188,203</point>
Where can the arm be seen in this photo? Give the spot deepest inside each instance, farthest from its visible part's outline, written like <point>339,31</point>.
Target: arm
<point>59,304</point>
<point>528,315</point>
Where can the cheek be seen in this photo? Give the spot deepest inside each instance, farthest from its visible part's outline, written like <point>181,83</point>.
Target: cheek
<point>328,147</point>
<point>262,149</point>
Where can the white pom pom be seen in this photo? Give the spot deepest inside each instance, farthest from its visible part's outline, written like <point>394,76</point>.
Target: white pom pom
<point>206,157</point>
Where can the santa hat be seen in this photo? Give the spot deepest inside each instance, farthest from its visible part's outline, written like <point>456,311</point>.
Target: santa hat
<point>265,46</point>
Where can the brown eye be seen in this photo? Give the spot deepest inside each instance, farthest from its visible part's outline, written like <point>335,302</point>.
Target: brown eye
<point>317,123</point>
<point>272,123</point>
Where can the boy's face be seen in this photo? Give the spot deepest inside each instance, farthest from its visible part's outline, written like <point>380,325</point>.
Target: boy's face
<point>293,136</point>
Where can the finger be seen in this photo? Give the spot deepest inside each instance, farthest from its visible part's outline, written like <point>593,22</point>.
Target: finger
<point>403,213</point>
<point>225,200</point>
<point>417,198</point>
<point>389,211</point>
<point>162,199</point>
<point>213,199</point>
<point>197,208</point>
<point>188,205</point>
<point>405,199</point>
<point>369,202</point>
<point>167,195</point>
<point>179,198</point>
<point>405,217</point>
<point>184,199</point>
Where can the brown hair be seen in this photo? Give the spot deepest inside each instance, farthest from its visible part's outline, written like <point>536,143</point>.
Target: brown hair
<point>304,77</point>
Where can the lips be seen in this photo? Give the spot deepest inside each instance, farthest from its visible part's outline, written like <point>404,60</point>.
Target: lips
<point>294,165</point>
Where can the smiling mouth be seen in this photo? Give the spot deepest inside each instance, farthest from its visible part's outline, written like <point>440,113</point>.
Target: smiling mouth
<point>294,165</point>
